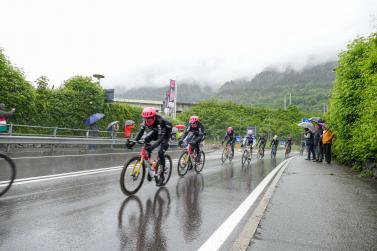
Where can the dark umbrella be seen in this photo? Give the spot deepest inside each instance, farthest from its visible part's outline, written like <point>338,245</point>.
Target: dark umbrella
<point>94,118</point>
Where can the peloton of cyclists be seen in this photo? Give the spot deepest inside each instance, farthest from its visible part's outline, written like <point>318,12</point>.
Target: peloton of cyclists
<point>196,134</point>
<point>159,131</point>
<point>229,138</point>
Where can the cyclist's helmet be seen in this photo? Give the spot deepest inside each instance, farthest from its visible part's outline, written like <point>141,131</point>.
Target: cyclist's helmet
<point>275,137</point>
<point>229,130</point>
<point>149,115</point>
<point>194,121</point>
<point>250,132</point>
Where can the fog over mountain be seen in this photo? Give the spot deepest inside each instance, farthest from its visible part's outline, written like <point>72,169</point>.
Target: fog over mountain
<point>309,88</point>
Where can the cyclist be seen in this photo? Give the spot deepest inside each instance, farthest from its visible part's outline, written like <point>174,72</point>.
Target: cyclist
<point>160,131</point>
<point>288,144</point>
<point>262,142</point>
<point>249,139</point>
<point>196,129</point>
<point>274,143</point>
<point>229,138</point>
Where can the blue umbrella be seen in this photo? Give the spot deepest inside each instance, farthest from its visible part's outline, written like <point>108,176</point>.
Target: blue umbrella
<point>94,118</point>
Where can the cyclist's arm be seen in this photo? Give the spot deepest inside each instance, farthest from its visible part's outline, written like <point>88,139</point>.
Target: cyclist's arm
<point>140,133</point>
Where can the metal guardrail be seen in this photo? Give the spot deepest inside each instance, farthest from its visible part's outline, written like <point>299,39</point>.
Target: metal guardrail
<point>59,140</point>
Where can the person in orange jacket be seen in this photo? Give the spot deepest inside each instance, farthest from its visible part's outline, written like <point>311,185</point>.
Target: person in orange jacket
<point>327,137</point>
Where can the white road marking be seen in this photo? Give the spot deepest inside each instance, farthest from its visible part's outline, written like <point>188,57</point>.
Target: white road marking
<point>217,239</point>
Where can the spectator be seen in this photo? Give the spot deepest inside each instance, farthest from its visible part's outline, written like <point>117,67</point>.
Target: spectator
<point>4,116</point>
<point>309,143</point>
<point>318,143</point>
<point>327,140</point>
<point>114,130</point>
<point>93,132</point>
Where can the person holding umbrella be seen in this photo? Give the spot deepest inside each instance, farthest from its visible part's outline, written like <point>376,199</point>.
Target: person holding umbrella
<point>310,143</point>
<point>93,127</point>
<point>113,128</point>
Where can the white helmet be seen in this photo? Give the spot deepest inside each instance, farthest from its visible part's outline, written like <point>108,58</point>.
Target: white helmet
<point>275,137</point>
<point>250,131</point>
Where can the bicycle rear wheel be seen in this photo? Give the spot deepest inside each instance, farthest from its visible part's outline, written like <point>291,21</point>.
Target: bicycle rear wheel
<point>7,173</point>
<point>183,164</point>
<point>167,171</point>
<point>132,176</point>
<point>200,164</point>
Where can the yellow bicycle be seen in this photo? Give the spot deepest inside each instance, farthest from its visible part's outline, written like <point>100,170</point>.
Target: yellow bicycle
<point>133,173</point>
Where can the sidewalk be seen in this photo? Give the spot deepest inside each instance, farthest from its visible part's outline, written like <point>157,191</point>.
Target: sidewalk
<point>319,207</point>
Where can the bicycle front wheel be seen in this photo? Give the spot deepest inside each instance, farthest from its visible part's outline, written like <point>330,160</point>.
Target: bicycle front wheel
<point>245,157</point>
<point>200,163</point>
<point>183,164</point>
<point>132,176</point>
<point>224,155</point>
<point>7,173</point>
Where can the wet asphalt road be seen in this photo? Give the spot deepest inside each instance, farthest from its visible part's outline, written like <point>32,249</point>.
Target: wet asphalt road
<point>90,212</point>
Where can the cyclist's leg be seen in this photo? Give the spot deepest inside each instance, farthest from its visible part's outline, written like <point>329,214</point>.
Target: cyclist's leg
<point>232,144</point>
<point>147,140</point>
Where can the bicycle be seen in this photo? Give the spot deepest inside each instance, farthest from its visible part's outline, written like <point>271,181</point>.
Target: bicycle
<point>7,173</point>
<point>287,151</point>
<point>189,159</point>
<point>227,153</point>
<point>133,172</point>
<point>247,154</point>
<point>273,151</point>
<point>260,153</point>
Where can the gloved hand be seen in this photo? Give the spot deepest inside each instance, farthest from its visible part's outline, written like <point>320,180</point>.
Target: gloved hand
<point>180,142</point>
<point>130,144</point>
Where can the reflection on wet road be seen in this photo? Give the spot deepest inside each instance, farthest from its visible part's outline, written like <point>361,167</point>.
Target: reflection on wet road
<point>90,212</point>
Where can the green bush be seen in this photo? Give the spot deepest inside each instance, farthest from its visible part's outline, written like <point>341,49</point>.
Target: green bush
<point>353,103</point>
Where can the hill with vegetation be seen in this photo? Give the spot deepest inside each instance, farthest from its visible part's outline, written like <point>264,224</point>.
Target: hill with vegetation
<point>310,88</point>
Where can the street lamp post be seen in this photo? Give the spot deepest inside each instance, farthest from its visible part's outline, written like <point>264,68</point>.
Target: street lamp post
<point>98,77</point>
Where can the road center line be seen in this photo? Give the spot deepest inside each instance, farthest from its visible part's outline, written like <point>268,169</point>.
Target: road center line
<point>217,239</point>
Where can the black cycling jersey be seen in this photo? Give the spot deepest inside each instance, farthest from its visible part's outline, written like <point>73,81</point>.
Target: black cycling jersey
<point>230,137</point>
<point>197,131</point>
<point>160,130</point>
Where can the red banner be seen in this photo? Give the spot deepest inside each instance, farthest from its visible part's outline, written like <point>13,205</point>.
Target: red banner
<point>172,83</point>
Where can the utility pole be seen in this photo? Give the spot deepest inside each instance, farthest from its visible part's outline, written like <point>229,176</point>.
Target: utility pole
<point>290,98</point>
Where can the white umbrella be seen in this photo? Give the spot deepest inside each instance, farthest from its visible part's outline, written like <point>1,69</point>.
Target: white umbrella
<point>306,125</point>
<point>112,123</point>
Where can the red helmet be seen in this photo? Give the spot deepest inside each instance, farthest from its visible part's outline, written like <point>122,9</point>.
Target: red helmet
<point>149,115</point>
<point>193,119</point>
<point>229,129</point>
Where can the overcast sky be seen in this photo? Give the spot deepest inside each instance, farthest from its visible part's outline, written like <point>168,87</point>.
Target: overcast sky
<point>147,42</point>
